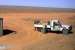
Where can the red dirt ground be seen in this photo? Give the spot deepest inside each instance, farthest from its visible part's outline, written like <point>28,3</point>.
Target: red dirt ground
<point>28,39</point>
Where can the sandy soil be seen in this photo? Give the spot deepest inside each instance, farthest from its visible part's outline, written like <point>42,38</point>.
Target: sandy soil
<point>26,38</point>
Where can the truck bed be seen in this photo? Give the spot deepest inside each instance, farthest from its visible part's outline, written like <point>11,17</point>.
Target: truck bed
<point>39,25</point>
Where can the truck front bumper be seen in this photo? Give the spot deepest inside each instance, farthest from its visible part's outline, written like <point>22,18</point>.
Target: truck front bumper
<point>70,28</point>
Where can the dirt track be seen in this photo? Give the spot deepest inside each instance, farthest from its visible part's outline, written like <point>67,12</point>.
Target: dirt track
<point>28,39</point>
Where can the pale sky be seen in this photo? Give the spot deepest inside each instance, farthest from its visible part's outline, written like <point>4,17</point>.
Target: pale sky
<point>41,3</point>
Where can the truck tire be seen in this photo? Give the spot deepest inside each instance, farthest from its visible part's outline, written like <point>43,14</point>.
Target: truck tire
<point>38,29</point>
<point>43,30</point>
<point>65,31</point>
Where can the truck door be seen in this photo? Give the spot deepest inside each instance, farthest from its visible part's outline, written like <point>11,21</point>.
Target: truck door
<point>56,26</point>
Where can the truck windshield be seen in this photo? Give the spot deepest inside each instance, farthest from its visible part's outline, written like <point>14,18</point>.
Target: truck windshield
<point>57,24</point>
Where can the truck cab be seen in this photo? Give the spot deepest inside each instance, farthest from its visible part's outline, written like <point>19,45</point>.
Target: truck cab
<point>55,25</point>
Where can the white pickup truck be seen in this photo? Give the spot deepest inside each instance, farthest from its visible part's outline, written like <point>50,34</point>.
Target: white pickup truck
<point>53,25</point>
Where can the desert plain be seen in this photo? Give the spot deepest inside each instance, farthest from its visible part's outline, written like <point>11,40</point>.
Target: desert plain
<point>23,36</point>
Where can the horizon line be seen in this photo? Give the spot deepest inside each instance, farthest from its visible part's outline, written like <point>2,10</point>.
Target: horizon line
<point>36,6</point>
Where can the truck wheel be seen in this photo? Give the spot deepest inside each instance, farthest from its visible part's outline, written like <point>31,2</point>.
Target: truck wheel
<point>65,31</point>
<point>43,30</point>
<point>39,29</point>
